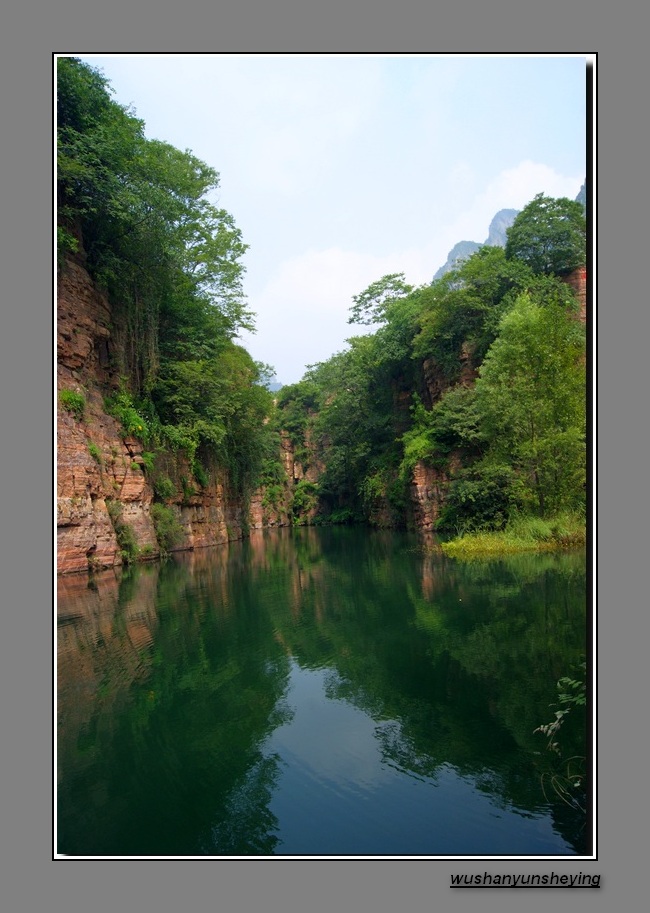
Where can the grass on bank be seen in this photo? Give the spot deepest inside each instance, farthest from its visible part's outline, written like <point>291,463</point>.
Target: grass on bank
<point>522,534</point>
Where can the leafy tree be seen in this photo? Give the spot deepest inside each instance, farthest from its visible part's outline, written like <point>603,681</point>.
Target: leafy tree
<point>151,235</point>
<point>549,235</point>
<point>481,497</point>
<point>170,262</point>
<point>464,307</point>
<point>530,396</point>
<point>356,403</point>
<point>371,305</point>
<point>452,424</point>
<point>331,410</point>
<point>296,404</point>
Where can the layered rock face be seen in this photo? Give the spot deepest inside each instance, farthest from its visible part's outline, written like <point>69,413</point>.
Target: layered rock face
<point>428,489</point>
<point>94,469</point>
<point>98,469</point>
<point>95,464</point>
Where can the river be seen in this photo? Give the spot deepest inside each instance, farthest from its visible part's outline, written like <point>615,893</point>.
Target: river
<point>319,692</point>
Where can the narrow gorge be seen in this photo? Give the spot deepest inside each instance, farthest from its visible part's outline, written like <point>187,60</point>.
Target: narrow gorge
<point>169,436</point>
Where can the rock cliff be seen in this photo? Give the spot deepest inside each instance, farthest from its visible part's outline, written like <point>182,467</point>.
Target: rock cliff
<point>578,282</point>
<point>100,473</point>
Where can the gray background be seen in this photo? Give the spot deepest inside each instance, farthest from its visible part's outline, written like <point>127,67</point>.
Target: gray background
<point>30,880</point>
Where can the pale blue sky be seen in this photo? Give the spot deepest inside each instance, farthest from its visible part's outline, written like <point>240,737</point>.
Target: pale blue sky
<point>339,169</point>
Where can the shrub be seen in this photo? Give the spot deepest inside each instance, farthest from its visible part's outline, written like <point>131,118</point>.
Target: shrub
<point>572,698</point>
<point>179,438</point>
<point>121,406</point>
<point>123,532</point>
<point>73,402</point>
<point>66,243</point>
<point>169,530</point>
<point>164,488</point>
<point>272,496</point>
<point>188,489</point>
<point>148,460</point>
<point>95,452</point>
<point>481,498</point>
<point>305,498</point>
<point>566,739</point>
<point>272,478</point>
<point>200,474</point>
<point>342,516</point>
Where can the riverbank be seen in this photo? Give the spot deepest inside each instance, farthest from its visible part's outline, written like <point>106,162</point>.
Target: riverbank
<point>523,534</point>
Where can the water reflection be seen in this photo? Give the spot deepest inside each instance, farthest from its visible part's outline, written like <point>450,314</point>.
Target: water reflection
<point>314,692</point>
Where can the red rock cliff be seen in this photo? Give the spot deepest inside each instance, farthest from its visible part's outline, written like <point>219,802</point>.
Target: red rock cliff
<point>97,465</point>
<point>578,282</point>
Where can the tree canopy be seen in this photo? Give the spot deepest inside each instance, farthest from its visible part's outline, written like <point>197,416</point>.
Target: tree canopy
<point>531,398</point>
<point>170,261</point>
<point>549,235</point>
<point>515,437</point>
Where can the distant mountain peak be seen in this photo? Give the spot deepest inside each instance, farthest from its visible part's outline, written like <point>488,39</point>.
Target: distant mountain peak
<point>497,236</point>
<point>499,225</point>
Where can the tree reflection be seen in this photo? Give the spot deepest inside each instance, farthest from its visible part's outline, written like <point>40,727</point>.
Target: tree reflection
<point>171,684</point>
<point>457,662</point>
<point>163,745</point>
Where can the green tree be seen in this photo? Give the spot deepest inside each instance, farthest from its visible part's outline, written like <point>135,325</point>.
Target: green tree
<point>364,396</point>
<point>370,306</point>
<point>463,308</point>
<point>452,424</point>
<point>151,235</point>
<point>530,396</point>
<point>170,262</point>
<point>297,404</point>
<point>549,235</point>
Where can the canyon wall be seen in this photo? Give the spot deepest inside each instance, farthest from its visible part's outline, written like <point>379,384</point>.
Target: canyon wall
<point>100,472</point>
<point>95,465</point>
<point>429,485</point>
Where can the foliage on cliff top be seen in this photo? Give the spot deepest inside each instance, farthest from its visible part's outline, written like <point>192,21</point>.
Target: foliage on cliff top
<point>517,434</point>
<point>549,235</point>
<point>170,261</point>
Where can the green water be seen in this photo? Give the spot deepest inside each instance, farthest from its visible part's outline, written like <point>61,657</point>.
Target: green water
<point>317,692</point>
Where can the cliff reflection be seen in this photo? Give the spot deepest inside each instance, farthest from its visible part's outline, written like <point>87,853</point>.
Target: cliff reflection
<point>163,701</point>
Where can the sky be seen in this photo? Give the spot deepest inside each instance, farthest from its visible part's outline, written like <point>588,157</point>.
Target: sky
<point>339,169</point>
